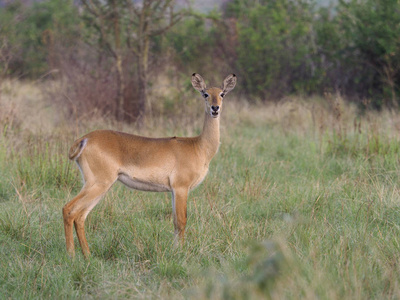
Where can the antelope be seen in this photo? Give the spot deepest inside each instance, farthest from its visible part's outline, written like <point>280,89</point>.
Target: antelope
<point>174,164</point>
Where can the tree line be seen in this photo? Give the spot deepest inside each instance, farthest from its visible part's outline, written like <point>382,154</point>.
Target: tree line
<point>111,51</point>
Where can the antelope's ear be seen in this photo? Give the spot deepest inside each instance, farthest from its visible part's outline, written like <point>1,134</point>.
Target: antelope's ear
<point>198,83</point>
<point>229,83</point>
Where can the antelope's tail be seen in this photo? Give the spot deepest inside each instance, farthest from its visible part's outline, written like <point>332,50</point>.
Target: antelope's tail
<point>77,148</point>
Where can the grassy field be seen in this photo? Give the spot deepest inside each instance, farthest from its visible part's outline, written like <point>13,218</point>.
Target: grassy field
<point>302,201</point>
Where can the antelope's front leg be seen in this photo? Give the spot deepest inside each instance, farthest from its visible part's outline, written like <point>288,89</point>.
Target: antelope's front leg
<point>179,211</point>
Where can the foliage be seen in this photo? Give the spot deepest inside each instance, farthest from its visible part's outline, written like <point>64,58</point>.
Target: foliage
<point>122,27</point>
<point>204,43</point>
<point>274,45</point>
<point>372,29</point>
<point>29,35</point>
<point>277,48</point>
<point>293,46</point>
<point>190,41</point>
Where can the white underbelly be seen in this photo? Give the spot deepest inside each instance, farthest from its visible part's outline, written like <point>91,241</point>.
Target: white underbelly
<point>142,185</point>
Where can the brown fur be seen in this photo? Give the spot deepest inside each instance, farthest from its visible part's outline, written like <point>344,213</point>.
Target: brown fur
<point>150,164</point>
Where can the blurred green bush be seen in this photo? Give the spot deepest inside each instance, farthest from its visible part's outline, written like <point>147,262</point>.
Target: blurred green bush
<point>277,48</point>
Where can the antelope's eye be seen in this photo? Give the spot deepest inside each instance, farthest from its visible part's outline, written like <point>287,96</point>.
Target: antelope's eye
<point>222,95</point>
<point>205,95</point>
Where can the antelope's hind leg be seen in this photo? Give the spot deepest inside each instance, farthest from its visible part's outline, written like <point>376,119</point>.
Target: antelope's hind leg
<point>76,211</point>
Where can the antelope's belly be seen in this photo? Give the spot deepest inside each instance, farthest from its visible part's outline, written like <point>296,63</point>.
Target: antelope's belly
<point>148,184</point>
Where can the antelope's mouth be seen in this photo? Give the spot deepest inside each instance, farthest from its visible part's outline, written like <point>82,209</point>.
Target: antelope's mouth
<point>214,114</point>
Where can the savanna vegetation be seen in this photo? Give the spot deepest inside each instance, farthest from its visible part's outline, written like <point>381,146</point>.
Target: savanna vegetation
<point>302,199</point>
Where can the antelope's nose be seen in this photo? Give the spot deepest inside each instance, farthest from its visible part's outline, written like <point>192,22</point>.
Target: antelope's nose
<point>215,108</point>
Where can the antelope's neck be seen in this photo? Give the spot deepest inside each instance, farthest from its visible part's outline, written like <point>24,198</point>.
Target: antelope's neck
<point>209,138</point>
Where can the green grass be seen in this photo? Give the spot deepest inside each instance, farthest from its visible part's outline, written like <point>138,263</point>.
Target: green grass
<point>283,213</point>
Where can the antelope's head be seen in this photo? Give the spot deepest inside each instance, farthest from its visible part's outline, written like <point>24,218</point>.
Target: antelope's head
<point>213,96</point>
